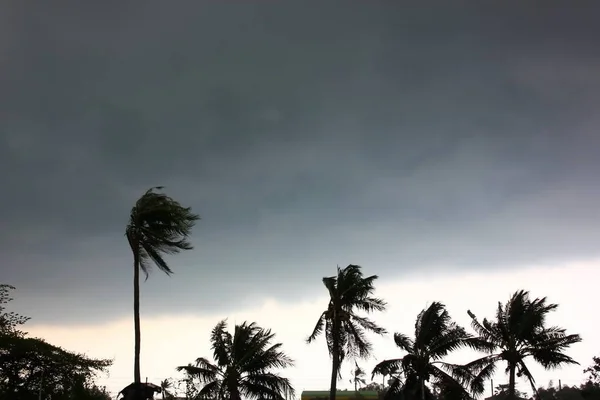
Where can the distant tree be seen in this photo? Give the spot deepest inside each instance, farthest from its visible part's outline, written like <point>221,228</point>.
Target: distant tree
<point>30,367</point>
<point>9,320</point>
<point>345,330</point>
<point>593,370</point>
<point>436,335</point>
<point>158,225</point>
<point>372,387</point>
<point>502,392</point>
<point>358,377</point>
<point>591,388</point>
<point>166,385</point>
<point>85,392</point>
<point>244,364</point>
<point>519,331</point>
<point>561,393</point>
<point>188,386</point>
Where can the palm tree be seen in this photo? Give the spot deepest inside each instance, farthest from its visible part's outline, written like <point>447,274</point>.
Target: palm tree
<point>244,364</point>
<point>519,332</point>
<point>344,329</point>
<point>158,225</point>
<point>436,335</point>
<point>358,376</point>
<point>165,385</point>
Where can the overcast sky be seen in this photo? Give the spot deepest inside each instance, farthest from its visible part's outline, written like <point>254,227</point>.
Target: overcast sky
<point>415,141</point>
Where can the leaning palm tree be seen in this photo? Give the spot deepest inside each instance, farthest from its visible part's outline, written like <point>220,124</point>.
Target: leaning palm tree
<point>519,331</point>
<point>345,330</point>
<point>244,364</point>
<point>436,335</point>
<point>358,377</point>
<point>158,225</point>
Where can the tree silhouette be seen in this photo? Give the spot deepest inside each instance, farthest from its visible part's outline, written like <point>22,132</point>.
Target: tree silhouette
<point>158,225</point>
<point>436,335</point>
<point>244,364</point>
<point>345,330</point>
<point>517,333</point>
<point>358,377</point>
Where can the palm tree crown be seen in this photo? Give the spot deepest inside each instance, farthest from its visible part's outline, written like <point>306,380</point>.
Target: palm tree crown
<point>243,365</point>
<point>519,332</point>
<point>158,225</point>
<point>436,335</point>
<point>345,330</point>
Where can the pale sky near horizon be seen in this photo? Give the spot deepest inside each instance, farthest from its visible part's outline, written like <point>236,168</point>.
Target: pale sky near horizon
<point>418,141</point>
<point>169,341</point>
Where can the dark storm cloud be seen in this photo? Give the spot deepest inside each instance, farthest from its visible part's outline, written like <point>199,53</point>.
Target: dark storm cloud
<point>400,138</point>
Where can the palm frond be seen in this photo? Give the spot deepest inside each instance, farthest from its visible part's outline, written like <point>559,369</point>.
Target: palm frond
<point>266,386</point>
<point>211,390</point>
<point>158,225</point>
<point>450,383</point>
<point>431,324</point>
<point>523,370</point>
<point>386,366</point>
<point>482,375</point>
<point>371,304</point>
<point>451,338</point>
<point>488,337</point>
<point>206,372</point>
<point>318,328</point>
<point>357,344</point>
<point>403,342</point>
<point>221,343</point>
<point>367,324</point>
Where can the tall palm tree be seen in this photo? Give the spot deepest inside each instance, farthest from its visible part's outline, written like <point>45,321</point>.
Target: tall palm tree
<point>519,331</point>
<point>436,335</point>
<point>158,225</point>
<point>244,364</point>
<point>345,330</point>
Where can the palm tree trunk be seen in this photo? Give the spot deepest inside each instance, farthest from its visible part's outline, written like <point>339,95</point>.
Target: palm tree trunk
<point>511,381</point>
<point>335,356</point>
<point>422,389</point>
<point>137,376</point>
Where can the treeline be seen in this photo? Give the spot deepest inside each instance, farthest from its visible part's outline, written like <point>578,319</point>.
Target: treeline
<point>33,369</point>
<point>246,362</point>
<point>516,336</point>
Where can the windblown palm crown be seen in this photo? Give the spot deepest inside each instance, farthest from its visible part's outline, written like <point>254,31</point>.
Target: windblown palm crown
<point>436,335</point>
<point>244,365</point>
<point>158,225</point>
<point>519,332</point>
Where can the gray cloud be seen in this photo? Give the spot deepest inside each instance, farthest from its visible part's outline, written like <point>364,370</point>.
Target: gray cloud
<point>400,138</point>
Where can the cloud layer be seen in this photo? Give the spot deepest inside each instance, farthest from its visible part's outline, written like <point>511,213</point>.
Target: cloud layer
<point>400,138</point>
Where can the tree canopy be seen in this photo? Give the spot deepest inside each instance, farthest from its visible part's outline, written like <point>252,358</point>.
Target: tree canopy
<point>244,366</point>
<point>30,366</point>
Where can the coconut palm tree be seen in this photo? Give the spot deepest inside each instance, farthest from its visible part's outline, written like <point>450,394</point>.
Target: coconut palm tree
<point>518,332</point>
<point>436,335</point>
<point>345,330</point>
<point>165,386</point>
<point>244,364</point>
<point>358,377</point>
<point>158,225</point>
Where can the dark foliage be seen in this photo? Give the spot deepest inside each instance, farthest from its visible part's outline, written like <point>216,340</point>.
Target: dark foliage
<point>244,366</point>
